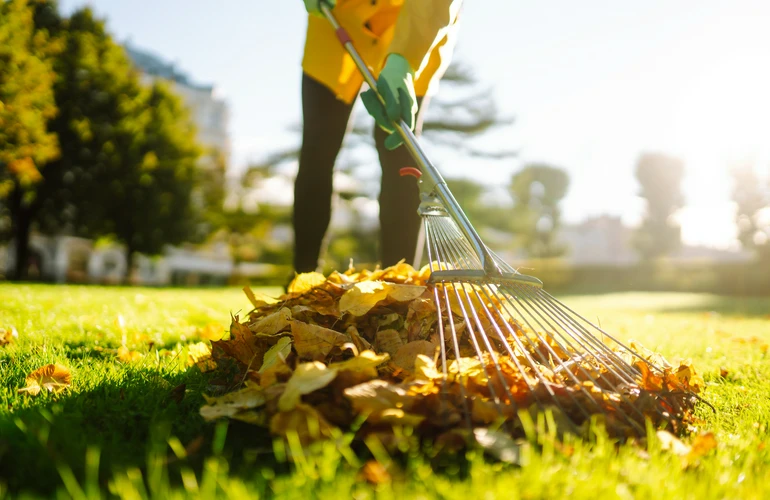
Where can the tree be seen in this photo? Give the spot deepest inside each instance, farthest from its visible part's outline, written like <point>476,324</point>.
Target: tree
<point>26,105</point>
<point>660,177</point>
<point>149,202</point>
<point>537,190</point>
<point>751,199</point>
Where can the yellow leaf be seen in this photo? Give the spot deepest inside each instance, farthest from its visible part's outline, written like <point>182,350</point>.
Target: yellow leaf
<point>8,335</point>
<point>367,361</point>
<point>53,378</point>
<point>425,368</point>
<point>257,302</point>
<point>230,404</point>
<point>406,355</point>
<point>377,395</point>
<point>702,445</point>
<point>212,331</point>
<point>305,282</point>
<point>396,416</point>
<point>304,421</point>
<point>272,323</point>
<point>404,293</point>
<point>307,377</point>
<point>197,352</point>
<point>276,353</point>
<point>313,341</point>
<point>363,296</point>
<point>127,356</point>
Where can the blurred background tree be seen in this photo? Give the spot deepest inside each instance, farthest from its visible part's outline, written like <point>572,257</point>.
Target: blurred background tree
<point>752,217</point>
<point>26,105</point>
<point>537,190</point>
<point>660,177</point>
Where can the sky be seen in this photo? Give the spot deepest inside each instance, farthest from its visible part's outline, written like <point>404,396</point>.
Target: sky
<point>592,85</point>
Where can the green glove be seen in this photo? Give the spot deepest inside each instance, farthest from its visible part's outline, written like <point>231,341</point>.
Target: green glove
<point>313,7</point>
<point>396,86</point>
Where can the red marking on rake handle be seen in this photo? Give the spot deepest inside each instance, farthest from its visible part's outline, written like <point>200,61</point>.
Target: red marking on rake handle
<point>343,36</point>
<point>410,171</point>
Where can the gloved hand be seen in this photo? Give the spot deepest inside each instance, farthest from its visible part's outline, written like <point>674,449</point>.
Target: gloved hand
<point>396,85</point>
<point>313,7</point>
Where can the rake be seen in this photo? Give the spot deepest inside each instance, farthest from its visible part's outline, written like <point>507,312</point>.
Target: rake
<point>532,348</point>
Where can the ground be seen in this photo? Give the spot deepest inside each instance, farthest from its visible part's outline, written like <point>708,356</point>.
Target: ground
<point>132,429</point>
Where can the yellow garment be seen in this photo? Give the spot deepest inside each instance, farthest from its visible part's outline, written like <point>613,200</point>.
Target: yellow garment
<point>423,31</point>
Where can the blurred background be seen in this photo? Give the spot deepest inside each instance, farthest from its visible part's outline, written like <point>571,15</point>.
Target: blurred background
<point>600,146</point>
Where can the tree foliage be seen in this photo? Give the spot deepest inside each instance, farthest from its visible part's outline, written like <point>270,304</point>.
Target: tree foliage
<point>660,177</point>
<point>752,200</point>
<point>537,189</point>
<point>26,104</point>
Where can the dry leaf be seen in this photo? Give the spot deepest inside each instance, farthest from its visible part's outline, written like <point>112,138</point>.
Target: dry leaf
<point>375,473</point>
<point>127,356</point>
<point>362,297</point>
<point>198,353</point>
<point>671,443</point>
<point>307,377</point>
<point>8,336</point>
<point>242,345</point>
<point>305,282</point>
<point>303,421</point>
<point>702,445</point>
<point>54,378</point>
<point>365,363</point>
<point>315,342</point>
<point>276,354</point>
<point>212,331</point>
<point>407,354</point>
<point>388,341</point>
<point>261,301</point>
<point>273,323</point>
<point>230,404</point>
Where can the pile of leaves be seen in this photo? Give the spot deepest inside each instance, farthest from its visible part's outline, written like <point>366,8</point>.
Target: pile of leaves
<point>361,350</point>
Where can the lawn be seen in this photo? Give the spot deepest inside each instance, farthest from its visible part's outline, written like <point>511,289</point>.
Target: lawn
<point>132,429</point>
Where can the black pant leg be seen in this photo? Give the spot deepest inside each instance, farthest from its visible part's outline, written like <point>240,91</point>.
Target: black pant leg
<point>399,199</point>
<point>325,120</point>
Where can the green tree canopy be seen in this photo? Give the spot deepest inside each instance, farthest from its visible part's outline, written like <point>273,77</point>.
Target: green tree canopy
<point>537,189</point>
<point>660,177</point>
<point>26,105</point>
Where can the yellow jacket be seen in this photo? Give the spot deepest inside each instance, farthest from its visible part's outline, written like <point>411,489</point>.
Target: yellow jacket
<point>423,31</point>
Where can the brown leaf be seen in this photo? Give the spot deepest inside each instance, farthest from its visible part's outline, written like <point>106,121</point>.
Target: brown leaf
<point>304,421</point>
<point>378,395</point>
<point>177,393</point>
<point>242,345</point>
<point>702,445</point>
<point>54,378</point>
<point>315,342</point>
<point>407,354</point>
<point>388,341</point>
<point>272,323</point>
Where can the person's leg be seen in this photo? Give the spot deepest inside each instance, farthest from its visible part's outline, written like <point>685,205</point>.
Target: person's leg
<point>325,120</point>
<point>399,198</point>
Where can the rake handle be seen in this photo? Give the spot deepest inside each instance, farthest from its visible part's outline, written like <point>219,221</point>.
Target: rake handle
<point>436,183</point>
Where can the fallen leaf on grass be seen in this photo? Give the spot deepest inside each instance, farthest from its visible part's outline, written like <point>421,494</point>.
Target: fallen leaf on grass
<point>230,404</point>
<point>272,323</point>
<point>375,473</point>
<point>242,345</point>
<point>261,301</point>
<point>54,378</point>
<point>125,355</point>
<point>8,336</point>
<point>198,353</point>
<point>689,453</point>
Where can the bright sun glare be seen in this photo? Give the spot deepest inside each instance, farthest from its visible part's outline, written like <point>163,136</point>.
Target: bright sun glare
<point>722,118</point>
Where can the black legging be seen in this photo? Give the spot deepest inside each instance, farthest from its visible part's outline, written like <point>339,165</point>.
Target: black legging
<point>325,120</point>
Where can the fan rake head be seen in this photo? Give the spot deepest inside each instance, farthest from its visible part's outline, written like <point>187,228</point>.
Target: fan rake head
<point>517,346</point>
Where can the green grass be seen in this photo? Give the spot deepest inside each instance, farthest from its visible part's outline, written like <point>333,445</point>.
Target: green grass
<point>119,430</point>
